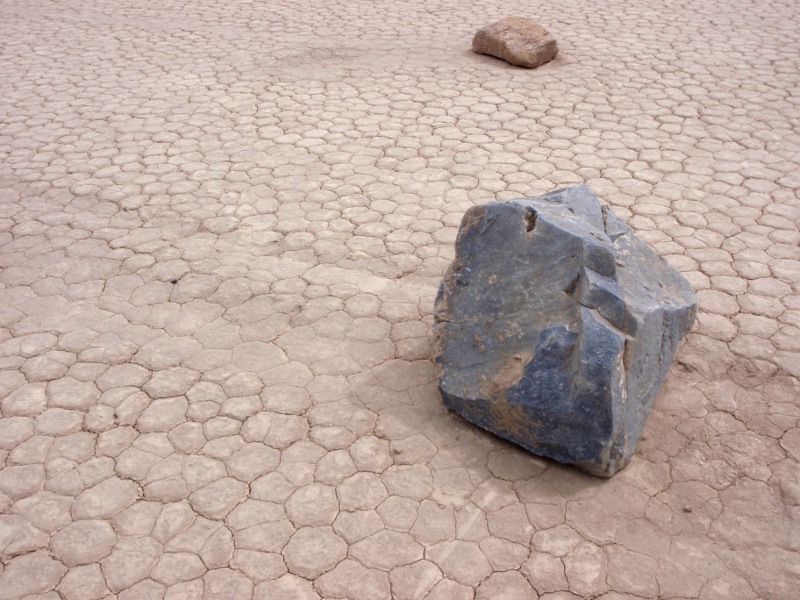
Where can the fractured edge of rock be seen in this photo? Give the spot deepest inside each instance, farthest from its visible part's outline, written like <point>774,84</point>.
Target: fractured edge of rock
<point>555,326</point>
<point>519,41</point>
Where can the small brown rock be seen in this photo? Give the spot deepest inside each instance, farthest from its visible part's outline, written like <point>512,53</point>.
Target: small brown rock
<point>519,41</point>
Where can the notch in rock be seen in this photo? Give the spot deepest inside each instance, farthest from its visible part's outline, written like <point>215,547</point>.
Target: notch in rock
<point>530,220</point>
<point>572,285</point>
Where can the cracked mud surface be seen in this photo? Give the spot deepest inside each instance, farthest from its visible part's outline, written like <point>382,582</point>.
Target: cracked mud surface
<point>222,226</point>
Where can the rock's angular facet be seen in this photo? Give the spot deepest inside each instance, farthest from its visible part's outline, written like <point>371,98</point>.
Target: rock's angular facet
<point>556,325</point>
<point>519,41</point>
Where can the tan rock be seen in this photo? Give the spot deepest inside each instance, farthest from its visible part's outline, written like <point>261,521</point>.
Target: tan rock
<point>519,41</point>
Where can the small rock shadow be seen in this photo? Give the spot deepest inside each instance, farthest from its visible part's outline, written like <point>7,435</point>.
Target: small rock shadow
<point>490,61</point>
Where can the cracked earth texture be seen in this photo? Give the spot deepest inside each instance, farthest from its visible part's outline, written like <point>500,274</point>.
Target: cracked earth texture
<point>222,226</point>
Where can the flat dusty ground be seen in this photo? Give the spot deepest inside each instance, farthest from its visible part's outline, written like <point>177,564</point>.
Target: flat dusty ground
<point>222,226</point>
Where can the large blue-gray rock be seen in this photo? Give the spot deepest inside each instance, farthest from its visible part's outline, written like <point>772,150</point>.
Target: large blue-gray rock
<point>556,325</point>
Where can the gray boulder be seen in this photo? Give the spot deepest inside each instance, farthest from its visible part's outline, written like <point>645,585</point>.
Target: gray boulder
<point>556,325</point>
